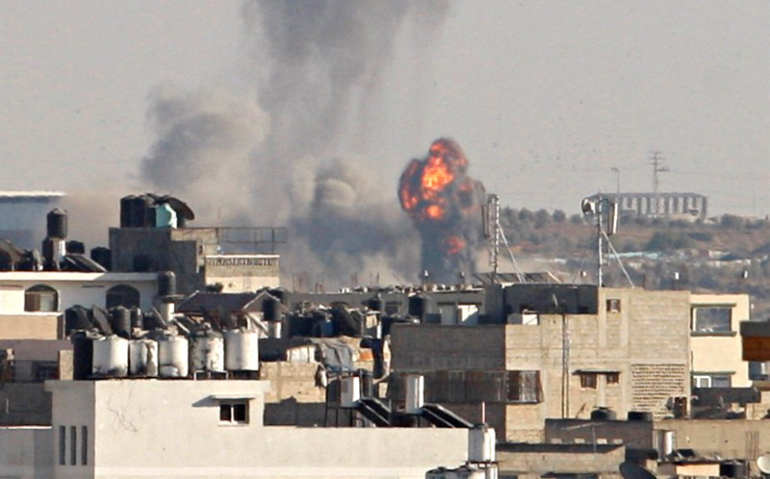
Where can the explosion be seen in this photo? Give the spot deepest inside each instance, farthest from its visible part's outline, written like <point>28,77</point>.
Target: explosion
<point>444,203</point>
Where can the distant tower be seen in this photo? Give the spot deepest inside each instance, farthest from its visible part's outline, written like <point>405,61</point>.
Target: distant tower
<point>656,160</point>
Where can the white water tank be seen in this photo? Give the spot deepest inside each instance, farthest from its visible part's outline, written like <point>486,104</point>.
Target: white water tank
<point>415,393</point>
<point>208,352</point>
<point>110,357</point>
<point>481,444</point>
<point>241,350</point>
<point>350,391</point>
<point>143,357</point>
<point>173,356</point>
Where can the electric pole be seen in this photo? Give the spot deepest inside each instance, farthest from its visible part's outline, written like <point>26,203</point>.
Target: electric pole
<point>656,160</point>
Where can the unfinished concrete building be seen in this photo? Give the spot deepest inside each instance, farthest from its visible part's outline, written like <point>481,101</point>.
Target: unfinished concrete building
<point>554,351</point>
<point>658,204</point>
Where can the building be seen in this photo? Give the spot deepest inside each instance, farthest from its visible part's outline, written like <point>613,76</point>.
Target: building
<point>208,428</point>
<point>20,212</point>
<point>32,302</point>
<point>194,255</point>
<point>554,351</point>
<point>683,205</point>
<point>715,341</point>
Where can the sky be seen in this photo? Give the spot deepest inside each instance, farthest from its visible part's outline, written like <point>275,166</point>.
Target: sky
<point>546,97</point>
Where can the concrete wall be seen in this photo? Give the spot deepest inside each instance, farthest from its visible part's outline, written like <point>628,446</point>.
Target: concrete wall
<point>26,452</point>
<point>430,347</point>
<point>558,459</point>
<point>162,429</point>
<point>25,404</point>
<point>31,325</point>
<point>73,288</point>
<point>703,345</point>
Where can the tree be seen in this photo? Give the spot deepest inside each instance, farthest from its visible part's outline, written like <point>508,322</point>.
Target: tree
<point>559,216</point>
<point>542,218</point>
<point>525,215</point>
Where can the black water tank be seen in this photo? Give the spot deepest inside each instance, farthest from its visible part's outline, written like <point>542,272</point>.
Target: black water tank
<point>137,320</point>
<point>126,212</point>
<point>417,306</point>
<point>83,354</point>
<point>56,222</point>
<point>271,309</point>
<point>74,246</point>
<point>603,414</point>
<point>147,211</point>
<point>142,263</point>
<point>367,383</point>
<point>76,318</point>
<point>376,303</point>
<point>136,211</point>
<point>640,416</point>
<point>103,256</point>
<point>166,283</point>
<point>120,321</point>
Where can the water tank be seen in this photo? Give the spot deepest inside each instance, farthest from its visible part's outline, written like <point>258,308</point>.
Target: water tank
<point>416,306</point>
<point>54,250</point>
<point>241,350</point>
<point>74,246</point>
<point>271,309</point>
<point>323,326</point>
<point>143,357</point>
<point>603,414</point>
<point>103,256</point>
<point>147,211</point>
<point>120,321</point>
<point>350,391</point>
<point>76,318</point>
<point>207,352</point>
<point>126,212</point>
<point>415,393</point>
<point>376,303</point>
<point>137,211</point>
<point>173,355</point>
<point>165,216</point>
<point>481,444</point>
<point>82,355</point>
<point>640,416</point>
<point>166,283</point>
<point>56,222</point>
<point>137,319</point>
<point>110,357</point>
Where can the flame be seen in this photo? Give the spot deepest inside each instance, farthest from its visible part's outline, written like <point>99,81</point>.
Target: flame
<point>434,212</point>
<point>454,244</point>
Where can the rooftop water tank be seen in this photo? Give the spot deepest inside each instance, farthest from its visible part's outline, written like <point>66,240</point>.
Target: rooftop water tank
<point>126,211</point>
<point>103,256</point>
<point>165,216</point>
<point>120,321</point>
<point>173,356</point>
<point>166,283</point>
<point>241,350</point>
<point>143,357</point>
<point>207,351</point>
<point>56,222</point>
<point>110,357</point>
<point>82,355</point>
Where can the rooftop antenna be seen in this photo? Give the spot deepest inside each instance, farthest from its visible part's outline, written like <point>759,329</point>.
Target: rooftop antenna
<point>494,232</point>
<point>656,160</point>
<point>600,207</point>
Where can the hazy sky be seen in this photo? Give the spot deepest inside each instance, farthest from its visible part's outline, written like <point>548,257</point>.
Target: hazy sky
<point>544,96</point>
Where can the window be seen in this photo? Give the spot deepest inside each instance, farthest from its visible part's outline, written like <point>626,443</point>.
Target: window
<point>62,445</point>
<point>711,381</point>
<point>41,298</point>
<point>588,380</point>
<point>73,445</point>
<point>613,378</point>
<point>524,386</point>
<point>234,412</point>
<point>122,295</point>
<point>712,319</point>
<point>84,445</point>
<point>613,305</point>
<point>46,370</point>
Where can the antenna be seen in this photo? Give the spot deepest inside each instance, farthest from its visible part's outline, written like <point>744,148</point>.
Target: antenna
<point>493,231</point>
<point>656,160</point>
<point>599,207</point>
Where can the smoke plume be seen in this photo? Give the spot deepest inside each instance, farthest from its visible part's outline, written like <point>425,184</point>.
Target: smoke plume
<point>298,155</point>
<point>445,205</point>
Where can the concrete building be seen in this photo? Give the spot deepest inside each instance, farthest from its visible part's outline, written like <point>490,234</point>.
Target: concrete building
<point>202,429</point>
<point>569,350</point>
<point>20,213</point>
<point>660,204</point>
<point>194,255</point>
<point>31,302</point>
<point>715,342</point>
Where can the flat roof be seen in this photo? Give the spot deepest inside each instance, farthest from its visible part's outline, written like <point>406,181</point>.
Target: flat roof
<point>74,276</point>
<point>31,194</point>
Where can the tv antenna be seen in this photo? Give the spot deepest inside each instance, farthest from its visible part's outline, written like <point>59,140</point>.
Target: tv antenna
<point>490,214</point>
<point>605,212</point>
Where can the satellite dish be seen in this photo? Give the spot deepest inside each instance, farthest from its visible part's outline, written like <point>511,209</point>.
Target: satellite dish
<point>763,463</point>
<point>587,206</point>
<point>630,470</point>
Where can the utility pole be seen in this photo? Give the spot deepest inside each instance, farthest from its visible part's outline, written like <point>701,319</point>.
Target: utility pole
<point>656,160</point>
<point>616,170</point>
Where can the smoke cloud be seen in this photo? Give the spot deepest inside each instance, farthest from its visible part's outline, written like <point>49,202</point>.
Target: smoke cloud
<point>297,153</point>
